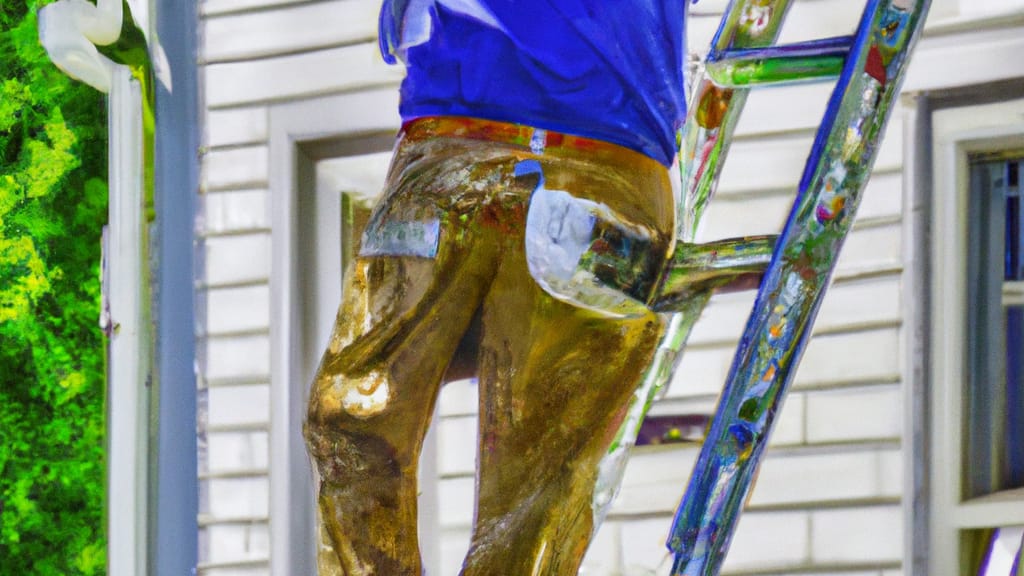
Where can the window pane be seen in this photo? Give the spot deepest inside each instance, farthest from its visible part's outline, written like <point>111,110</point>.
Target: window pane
<point>994,397</point>
<point>1014,432</point>
<point>1012,269</point>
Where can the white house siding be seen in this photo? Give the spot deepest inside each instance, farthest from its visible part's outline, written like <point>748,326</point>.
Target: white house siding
<point>828,498</point>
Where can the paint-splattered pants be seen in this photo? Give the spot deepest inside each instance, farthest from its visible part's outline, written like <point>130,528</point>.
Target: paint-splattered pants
<point>444,252</point>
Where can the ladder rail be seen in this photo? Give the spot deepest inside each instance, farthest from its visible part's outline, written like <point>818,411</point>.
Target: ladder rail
<point>793,286</point>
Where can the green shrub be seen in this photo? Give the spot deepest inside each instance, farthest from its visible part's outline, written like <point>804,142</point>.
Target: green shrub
<point>53,196</point>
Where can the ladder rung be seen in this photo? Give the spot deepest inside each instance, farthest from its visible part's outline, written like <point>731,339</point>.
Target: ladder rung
<point>722,266</point>
<point>810,61</point>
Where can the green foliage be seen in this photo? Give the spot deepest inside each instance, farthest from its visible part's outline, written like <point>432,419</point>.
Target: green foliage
<point>52,208</point>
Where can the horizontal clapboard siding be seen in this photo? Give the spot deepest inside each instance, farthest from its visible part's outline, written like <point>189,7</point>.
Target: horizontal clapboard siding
<point>827,500</point>
<point>288,30</point>
<point>211,8</point>
<point>295,76</point>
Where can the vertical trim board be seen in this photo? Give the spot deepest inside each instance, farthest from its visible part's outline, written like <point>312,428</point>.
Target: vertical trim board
<point>292,512</point>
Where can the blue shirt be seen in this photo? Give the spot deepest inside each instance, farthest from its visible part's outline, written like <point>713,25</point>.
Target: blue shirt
<point>605,69</point>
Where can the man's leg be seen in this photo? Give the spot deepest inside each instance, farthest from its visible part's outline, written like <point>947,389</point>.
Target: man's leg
<point>371,403</point>
<point>556,379</point>
<point>554,383</point>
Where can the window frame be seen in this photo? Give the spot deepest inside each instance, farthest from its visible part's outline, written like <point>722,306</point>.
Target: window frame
<point>956,134</point>
<point>302,132</point>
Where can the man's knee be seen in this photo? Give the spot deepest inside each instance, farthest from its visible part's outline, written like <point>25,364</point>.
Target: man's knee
<point>338,396</point>
<point>340,430</point>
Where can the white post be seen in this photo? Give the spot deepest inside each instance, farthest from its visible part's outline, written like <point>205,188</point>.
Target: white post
<point>70,30</point>
<point>129,353</point>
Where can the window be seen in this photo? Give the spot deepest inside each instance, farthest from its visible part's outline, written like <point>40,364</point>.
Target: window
<point>977,324</point>
<point>994,424</point>
<point>993,430</point>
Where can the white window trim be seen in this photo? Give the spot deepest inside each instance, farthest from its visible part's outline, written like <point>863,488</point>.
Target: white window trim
<point>957,133</point>
<point>294,128</point>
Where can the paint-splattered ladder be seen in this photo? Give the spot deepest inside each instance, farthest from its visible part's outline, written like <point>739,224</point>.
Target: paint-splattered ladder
<point>869,65</point>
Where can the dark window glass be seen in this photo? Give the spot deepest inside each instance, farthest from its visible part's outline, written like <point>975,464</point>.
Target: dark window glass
<point>1014,432</point>
<point>1012,269</point>
<point>994,397</point>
